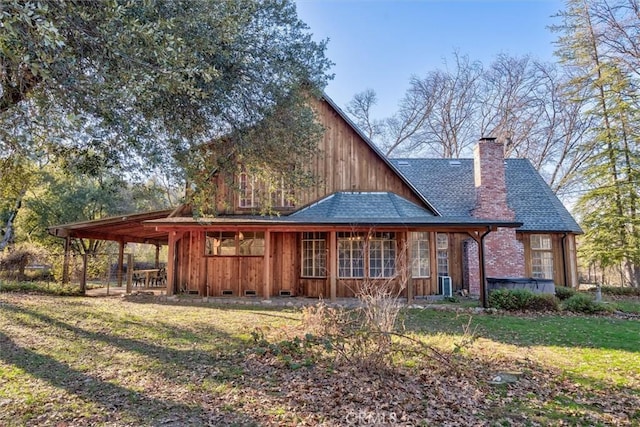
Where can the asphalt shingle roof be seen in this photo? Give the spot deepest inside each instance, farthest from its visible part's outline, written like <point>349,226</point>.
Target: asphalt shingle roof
<point>376,208</point>
<point>362,205</point>
<point>448,185</point>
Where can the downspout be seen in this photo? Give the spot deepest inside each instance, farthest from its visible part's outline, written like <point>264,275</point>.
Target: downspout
<point>483,279</point>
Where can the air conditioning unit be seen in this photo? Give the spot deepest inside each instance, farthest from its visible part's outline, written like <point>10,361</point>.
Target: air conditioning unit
<point>444,286</point>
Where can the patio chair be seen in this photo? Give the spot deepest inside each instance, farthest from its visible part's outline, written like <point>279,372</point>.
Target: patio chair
<point>138,279</point>
<point>160,278</point>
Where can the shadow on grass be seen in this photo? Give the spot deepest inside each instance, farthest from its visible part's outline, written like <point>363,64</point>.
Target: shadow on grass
<point>259,309</point>
<point>139,408</point>
<point>114,399</point>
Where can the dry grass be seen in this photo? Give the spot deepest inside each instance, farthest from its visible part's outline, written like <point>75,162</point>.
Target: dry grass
<point>105,361</point>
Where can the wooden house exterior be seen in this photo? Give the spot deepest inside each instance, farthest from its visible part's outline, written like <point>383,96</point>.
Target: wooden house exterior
<point>370,218</point>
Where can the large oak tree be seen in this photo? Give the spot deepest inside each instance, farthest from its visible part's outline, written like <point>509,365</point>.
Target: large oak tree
<point>137,85</point>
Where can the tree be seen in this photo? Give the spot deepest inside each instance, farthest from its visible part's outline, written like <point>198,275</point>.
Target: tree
<point>609,207</point>
<point>359,108</point>
<point>134,85</point>
<point>436,115</point>
<point>521,101</point>
<point>62,197</point>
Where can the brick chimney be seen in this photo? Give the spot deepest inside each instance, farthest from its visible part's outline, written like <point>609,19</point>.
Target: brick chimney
<point>504,254</point>
<point>489,177</point>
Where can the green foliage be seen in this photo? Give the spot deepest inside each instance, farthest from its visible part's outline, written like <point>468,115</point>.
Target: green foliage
<point>564,292</point>
<point>136,85</point>
<point>583,303</point>
<point>605,76</point>
<point>522,299</point>
<point>293,353</point>
<point>544,302</point>
<point>60,198</point>
<point>510,299</point>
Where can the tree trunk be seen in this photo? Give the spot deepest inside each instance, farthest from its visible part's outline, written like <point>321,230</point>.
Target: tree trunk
<point>8,237</point>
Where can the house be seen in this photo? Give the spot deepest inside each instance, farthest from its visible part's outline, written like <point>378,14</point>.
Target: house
<point>369,216</point>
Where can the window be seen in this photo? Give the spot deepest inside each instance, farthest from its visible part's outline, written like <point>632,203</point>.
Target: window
<point>351,255</point>
<point>380,252</point>
<point>248,194</point>
<point>442,248</point>
<point>382,255</point>
<point>420,258</point>
<point>252,189</point>
<point>220,243</point>
<point>230,243</point>
<point>251,243</point>
<point>541,256</point>
<point>314,255</point>
<point>282,197</point>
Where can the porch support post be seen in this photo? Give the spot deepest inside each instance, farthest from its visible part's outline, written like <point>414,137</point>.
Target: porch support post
<point>130,267</point>
<point>157,255</point>
<point>83,279</point>
<point>479,238</point>
<point>267,265</point>
<point>406,266</point>
<point>333,265</point>
<point>65,261</point>
<point>483,279</point>
<point>120,262</point>
<point>171,263</point>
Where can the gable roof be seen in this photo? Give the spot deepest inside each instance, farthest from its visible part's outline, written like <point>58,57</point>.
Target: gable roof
<point>449,186</point>
<point>378,152</point>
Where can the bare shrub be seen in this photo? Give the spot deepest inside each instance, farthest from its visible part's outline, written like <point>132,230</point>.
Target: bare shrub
<point>363,335</point>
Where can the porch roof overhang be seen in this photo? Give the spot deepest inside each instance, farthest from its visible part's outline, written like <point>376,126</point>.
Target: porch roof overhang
<point>121,228</point>
<point>292,223</point>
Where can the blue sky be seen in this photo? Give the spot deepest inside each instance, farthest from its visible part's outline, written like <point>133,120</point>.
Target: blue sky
<point>380,44</point>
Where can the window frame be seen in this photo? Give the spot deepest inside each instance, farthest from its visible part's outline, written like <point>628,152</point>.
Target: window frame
<point>317,252</point>
<point>238,238</point>
<point>247,197</point>
<point>387,243</point>
<point>251,190</point>
<point>358,247</point>
<point>442,254</point>
<point>541,256</point>
<point>420,243</point>
<point>351,243</point>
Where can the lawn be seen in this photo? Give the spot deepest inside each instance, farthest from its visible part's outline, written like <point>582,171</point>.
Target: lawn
<point>109,361</point>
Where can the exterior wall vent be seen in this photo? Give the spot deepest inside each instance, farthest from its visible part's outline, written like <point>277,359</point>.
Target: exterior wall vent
<point>284,293</point>
<point>193,292</point>
<point>250,293</point>
<point>227,292</point>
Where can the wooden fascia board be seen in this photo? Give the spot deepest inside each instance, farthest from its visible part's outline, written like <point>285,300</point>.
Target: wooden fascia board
<point>114,237</point>
<point>325,228</point>
<point>116,220</point>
